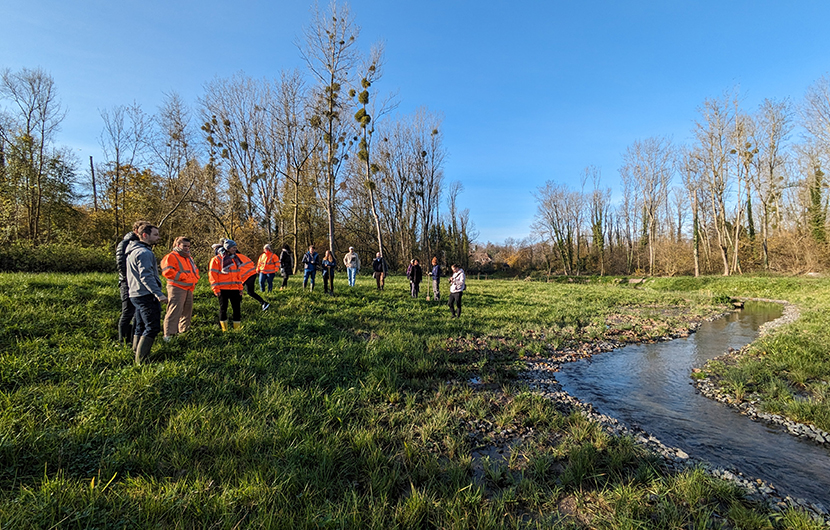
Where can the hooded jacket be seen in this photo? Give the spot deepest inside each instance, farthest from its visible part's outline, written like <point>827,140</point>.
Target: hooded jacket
<point>121,255</point>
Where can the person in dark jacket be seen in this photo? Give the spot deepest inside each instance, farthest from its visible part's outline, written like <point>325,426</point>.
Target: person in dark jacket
<point>311,262</point>
<point>436,278</point>
<point>286,266</point>
<point>415,275</point>
<point>125,324</point>
<point>329,266</point>
<point>379,270</point>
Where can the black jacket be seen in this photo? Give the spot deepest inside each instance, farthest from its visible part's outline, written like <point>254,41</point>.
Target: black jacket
<point>416,274</point>
<point>121,255</point>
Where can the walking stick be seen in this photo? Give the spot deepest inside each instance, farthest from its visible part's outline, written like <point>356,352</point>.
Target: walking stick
<point>429,288</point>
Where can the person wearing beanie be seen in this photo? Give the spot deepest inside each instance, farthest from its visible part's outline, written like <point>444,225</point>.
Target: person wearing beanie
<point>226,283</point>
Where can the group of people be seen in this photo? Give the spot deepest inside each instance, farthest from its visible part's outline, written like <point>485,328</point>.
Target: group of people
<point>230,273</point>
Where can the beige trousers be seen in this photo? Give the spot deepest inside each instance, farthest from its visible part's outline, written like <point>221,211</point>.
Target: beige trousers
<point>179,310</point>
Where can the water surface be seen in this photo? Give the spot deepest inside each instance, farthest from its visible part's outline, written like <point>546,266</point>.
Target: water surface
<point>648,385</point>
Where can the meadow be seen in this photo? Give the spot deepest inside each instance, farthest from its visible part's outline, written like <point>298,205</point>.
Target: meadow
<point>355,410</point>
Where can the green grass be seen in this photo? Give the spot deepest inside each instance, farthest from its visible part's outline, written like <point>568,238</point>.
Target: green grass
<point>337,412</point>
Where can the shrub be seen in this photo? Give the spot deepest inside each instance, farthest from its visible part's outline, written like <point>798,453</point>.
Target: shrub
<point>59,257</point>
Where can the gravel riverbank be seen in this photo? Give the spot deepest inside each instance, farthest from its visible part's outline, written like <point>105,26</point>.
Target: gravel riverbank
<point>540,378</point>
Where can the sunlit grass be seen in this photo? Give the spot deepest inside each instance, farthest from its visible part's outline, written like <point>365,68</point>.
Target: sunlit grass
<point>346,411</point>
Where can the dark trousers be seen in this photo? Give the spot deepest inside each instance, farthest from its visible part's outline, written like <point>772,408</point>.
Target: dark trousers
<point>455,299</point>
<point>414,289</point>
<point>250,288</point>
<point>328,282</point>
<point>284,281</point>
<point>235,298</point>
<point>125,321</point>
<point>147,315</point>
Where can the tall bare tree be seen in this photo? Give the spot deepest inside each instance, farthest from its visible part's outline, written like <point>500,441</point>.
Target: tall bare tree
<point>331,55</point>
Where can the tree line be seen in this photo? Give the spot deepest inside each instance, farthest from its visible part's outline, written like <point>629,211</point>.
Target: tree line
<point>314,156</point>
<point>747,194</point>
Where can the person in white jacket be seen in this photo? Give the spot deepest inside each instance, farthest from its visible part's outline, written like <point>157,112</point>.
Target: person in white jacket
<point>352,263</point>
<point>458,282</point>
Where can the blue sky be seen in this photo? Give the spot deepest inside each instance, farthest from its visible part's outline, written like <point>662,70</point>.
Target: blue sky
<point>530,91</point>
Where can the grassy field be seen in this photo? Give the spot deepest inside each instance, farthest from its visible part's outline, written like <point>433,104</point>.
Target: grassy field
<point>353,411</point>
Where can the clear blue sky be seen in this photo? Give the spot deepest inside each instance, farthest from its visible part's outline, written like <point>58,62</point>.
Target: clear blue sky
<point>530,91</point>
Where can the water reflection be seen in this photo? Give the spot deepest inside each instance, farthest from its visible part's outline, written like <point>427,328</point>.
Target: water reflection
<point>648,385</point>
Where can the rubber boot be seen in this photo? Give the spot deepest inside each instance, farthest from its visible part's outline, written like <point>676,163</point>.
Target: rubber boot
<point>224,325</point>
<point>237,324</point>
<point>142,353</point>
<point>136,338</point>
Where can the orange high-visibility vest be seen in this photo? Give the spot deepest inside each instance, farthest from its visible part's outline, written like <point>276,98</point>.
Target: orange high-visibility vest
<point>229,280</point>
<point>247,269</point>
<point>269,263</point>
<point>180,271</point>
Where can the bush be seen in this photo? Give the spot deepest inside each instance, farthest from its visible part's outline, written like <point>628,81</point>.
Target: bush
<point>60,257</point>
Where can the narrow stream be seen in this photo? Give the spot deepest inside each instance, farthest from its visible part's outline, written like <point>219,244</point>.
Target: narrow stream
<point>648,385</point>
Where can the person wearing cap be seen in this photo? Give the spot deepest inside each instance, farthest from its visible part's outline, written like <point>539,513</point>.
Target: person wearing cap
<point>182,274</point>
<point>145,291</point>
<point>226,283</point>
<point>352,262</point>
<point>267,267</point>
<point>311,261</point>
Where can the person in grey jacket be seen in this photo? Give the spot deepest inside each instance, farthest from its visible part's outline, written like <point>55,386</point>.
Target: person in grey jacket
<point>125,321</point>
<point>145,291</point>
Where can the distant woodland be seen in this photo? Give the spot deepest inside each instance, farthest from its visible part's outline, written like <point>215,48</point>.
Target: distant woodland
<point>321,156</point>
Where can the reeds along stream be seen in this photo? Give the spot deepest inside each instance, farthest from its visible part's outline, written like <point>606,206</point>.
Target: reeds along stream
<point>648,385</point>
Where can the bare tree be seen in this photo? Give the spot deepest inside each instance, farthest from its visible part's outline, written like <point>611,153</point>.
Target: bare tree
<point>330,54</point>
<point>124,143</point>
<point>27,129</point>
<point>647,165</point>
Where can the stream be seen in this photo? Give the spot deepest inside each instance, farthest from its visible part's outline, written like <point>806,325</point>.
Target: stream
<point>649,386</point>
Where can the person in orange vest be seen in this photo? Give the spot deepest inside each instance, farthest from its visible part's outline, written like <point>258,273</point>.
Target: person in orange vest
<point>182,274</point>
<point>226,283</point>
<point>267,267</point>
<point>247,273</point>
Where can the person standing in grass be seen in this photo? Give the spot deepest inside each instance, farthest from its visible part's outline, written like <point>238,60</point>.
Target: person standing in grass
<point>379,270</point>
<point>329,266</point>
<point>415,275</point>
<point>286,266</point>
<point>436,278</point>
<point>125,321</point>
<point>267,267</point>
<point>247,273</point>
<point>226,283</point>
<point>311,260</point>
<point>458,282</point>
<point>145,291</point>
<point>182,274</point>
<point>352,262</point>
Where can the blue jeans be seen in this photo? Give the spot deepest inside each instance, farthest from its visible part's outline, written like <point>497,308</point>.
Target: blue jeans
<point>309,273</point>
<point>147,315</point>
<point>352,271</point>
<point>263,278</point>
